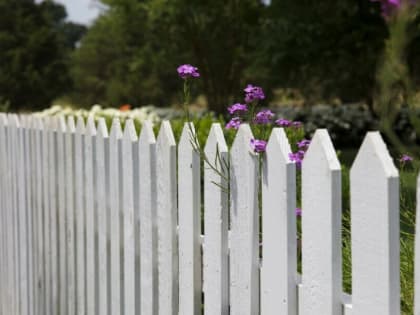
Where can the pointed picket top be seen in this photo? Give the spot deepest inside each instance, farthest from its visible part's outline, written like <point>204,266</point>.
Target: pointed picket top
<point>279,145</point>
<point>215,138</point>
<point>61,124</point>
<point>166,135</point>
<point>90,126</point>
<point>71,125</point>
<point>3,119</point>
<point>116,131</point>
<point>130,130</point>
<point>322,149</point>
<point>374,192</point>
<point>188,135</point>
<point>147,134</point>
<point>102,130</point>
<point>242,142</point>
<point>374,152</point>
<point>80,125</point>
<point>14,120</point>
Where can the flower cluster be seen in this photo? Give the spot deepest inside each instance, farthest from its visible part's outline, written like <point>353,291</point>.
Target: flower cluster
<point>405,158</point>
<point>262,121</point>
<point>187,71</point>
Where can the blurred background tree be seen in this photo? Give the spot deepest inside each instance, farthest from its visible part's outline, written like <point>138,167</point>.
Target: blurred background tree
<point>35,47</point>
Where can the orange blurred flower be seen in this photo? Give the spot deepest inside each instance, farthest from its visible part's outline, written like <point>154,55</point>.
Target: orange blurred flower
<point>125,107</point>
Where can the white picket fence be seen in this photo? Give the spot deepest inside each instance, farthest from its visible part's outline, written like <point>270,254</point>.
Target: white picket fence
<point>97,223</point>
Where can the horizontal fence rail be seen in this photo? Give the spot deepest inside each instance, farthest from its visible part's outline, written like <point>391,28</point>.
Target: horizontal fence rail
<point>97,221</point>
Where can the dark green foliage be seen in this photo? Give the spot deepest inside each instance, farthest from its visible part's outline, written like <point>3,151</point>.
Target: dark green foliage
<point>33,53</point>
<point>325,48</point>
<point>130,55</point>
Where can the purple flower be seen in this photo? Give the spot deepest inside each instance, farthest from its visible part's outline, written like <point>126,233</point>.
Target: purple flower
<point>406,158</point>
<point>264,117</point>
<point>253,93</point>
<point>297,158</point>
<point>258,145</point>
<point>304,144</point>
<point>388,7</point>
<point>234,123</point>
<point>283,122</point>
<point>297,124</point>
<point>237,108</point>
<point>187,71</point>
<point>298,212</point>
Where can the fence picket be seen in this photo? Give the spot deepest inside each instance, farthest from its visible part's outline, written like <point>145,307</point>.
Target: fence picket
<point>102,169</point>
<point>70,216</point>
<point>321,228</point>
<point>216,217</point>
<point>129,137</point>
<point>89,207</point>
<point>189,214</point>
<point>52,171</point>
<point>79,185</point>
<point>5,281</point>
<point>147,219</point>
<point>278,271</point>
<point>27,157</point>
<point>374,191</point>
<point>167,220</point>
<point>61,181</point>
<point>244,226</point>
<point>114,202</point>
<point>40,275</point>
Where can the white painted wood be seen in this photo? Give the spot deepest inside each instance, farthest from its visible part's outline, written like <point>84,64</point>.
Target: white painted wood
<point>417,254</point>
<point>279,265</point>
<point>102,218</point>
<point>5,197</point>
<point>89,140</point>
<point>40,274</point>
<point>244,226</point>
<point>129,137</point>
<point>321,228</point>
<point>70,216</point>
<point>46,216</point>
<point>13,221</point>
<point>216,218</point>
<point>61,185</point>
<point>52,175</point>
<point>167,220</point>
<point>27,121</point>
<point>79,185</point>
<point>147,220</point>
<point>115,229</point>
<point>374,190</point>
<point>189,214</point>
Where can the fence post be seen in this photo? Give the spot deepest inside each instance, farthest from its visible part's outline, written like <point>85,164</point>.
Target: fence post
<point>167,220</point>
<point>278,271</point>
<point>89,206</point>
<point>102,210</point>
<point>216,218</point>
<point>129,137</point>
<point>374,190</point>
<point>244,226</point>
<point>189,214</point>
<point>147,220</point>
<point>321,228</point>
<point>115,203</point>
